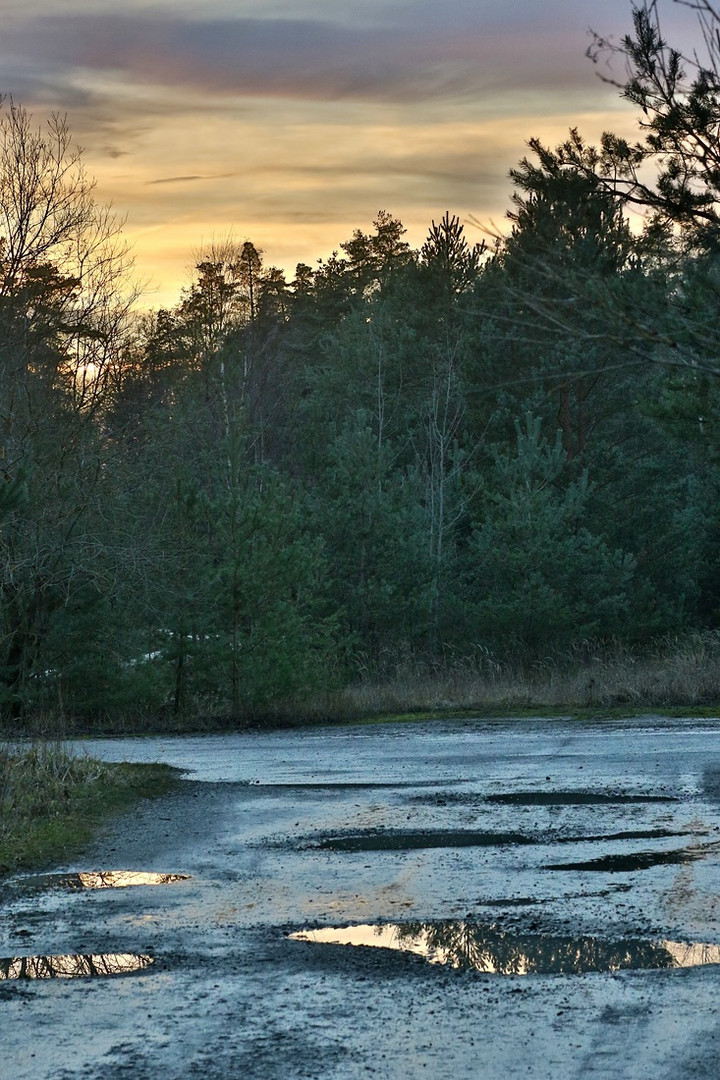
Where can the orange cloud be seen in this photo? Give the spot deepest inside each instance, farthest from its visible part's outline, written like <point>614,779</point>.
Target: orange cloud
<point>293,123</point>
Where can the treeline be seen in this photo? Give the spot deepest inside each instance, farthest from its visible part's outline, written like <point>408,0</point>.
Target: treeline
<point>470,451</point>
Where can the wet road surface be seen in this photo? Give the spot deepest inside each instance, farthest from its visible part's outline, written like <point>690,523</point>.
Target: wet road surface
<point>514,841</point>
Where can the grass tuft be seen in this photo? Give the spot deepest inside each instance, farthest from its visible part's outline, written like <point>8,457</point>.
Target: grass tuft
<point>52,801</point>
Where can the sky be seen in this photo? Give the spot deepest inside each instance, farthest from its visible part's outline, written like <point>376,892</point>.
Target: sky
<point>291,123</point>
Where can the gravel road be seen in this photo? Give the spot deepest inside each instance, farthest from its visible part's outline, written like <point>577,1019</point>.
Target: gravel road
<point>506,843</point>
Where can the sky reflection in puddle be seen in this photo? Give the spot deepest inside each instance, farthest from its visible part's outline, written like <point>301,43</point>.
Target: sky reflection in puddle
<point>103,879</point>
<point>477,947</point>
<point>122,879</point>
<point>73,966</point>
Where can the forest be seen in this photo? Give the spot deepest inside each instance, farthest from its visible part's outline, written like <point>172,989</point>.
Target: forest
<point>490,453</point>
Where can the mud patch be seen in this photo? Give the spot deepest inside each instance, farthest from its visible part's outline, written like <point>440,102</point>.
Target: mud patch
<point>471,946</point>
<point>639,860</point>
<point>73,966</point>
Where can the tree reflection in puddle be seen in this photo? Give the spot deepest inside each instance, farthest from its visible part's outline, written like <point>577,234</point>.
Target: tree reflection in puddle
<point>73,966</point>
<point>477,947</point>
<point>121,879</point>
<point>102,879</point>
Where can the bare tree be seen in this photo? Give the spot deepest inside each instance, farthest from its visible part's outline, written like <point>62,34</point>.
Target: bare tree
<point>65,297</point>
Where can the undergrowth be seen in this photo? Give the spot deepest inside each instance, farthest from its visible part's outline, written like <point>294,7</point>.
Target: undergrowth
<point>675,674</point>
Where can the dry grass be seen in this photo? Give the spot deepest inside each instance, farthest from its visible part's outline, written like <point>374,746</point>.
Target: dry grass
<point>675,673</point>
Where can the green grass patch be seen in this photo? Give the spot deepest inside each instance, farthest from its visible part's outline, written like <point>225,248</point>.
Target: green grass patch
<point>53,802</point>
<point>699,712</point>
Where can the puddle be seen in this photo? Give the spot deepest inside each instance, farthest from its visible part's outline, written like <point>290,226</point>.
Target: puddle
<point>628,834</point>
<point>573,798</point>
<point>122,879</point>
<point>531,901</point>
<point>343,785</point>
<point>639,860</point>
<point>472,946</point>
<point>73,966</point>
<point>416,841</point>
<point>102,879</point>
<point>405,840</point>
<point>540,798</point>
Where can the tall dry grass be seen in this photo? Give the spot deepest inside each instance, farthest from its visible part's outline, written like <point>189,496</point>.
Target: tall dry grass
<point>674,672</point>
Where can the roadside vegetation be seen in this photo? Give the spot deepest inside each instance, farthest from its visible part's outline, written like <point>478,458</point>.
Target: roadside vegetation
<point>480,473</point>
<point>674,677</point>
<point>53,802</point>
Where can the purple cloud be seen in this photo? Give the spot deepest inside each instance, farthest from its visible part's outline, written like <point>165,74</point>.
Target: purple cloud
<point>304,59</point>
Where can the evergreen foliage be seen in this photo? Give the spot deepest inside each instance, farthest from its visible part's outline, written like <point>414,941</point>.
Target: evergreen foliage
<point>228,507</point>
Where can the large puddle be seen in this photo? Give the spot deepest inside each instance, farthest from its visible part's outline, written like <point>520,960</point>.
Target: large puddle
<point>73,966</point>
<point>476,947</point>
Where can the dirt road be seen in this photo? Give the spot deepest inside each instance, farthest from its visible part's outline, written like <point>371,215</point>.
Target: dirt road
<point>513,845</point>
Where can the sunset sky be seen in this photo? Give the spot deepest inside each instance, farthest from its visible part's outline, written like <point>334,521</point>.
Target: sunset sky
<point>292,122</point>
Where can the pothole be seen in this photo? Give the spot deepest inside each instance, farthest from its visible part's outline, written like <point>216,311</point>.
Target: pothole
<point>541,798</point>
<point>639,860</point>
<point>403,840</point>
<point>533,901</point>
<point>102,879</point>
<point>343,785</point>
<point>628,834</point>
<point>408,840</point>
<point>574,798</point>
<point>472,946</point>
<point>73,966</point>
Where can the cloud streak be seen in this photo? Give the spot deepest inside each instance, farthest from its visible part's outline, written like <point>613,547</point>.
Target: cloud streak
<point>191,179</point>
<point>293,122</point>
<point>293,58</point>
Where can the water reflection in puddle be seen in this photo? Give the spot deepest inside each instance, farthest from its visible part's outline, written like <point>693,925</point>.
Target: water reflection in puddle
<point>477,947</point>
<point>103,879</point>
<point>73,966</point>
<point>121,879</point>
